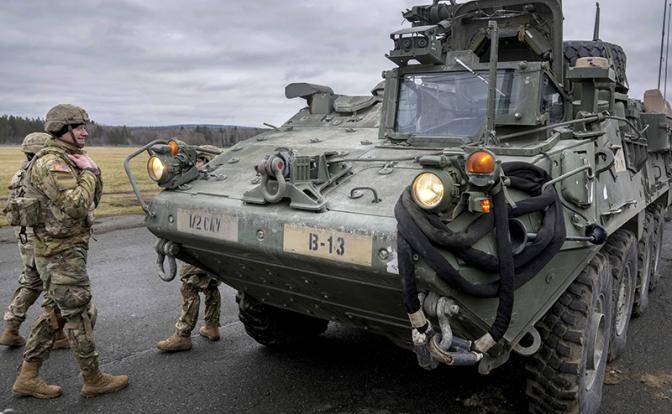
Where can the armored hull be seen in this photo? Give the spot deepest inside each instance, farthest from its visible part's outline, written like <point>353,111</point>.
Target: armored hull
<point>499,192</point>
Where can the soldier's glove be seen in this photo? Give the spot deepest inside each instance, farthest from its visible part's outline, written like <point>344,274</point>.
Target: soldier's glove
<point>83,162</point>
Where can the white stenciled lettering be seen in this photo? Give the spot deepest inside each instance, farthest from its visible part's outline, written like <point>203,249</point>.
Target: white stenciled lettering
<point>213,225</point>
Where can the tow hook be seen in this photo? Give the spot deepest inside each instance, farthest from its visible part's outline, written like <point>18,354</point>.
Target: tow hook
<point>276,166</point>
<point>432,348</point>
<point>166,248</point>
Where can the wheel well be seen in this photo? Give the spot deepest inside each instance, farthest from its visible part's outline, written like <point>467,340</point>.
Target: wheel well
<point>637,224</point>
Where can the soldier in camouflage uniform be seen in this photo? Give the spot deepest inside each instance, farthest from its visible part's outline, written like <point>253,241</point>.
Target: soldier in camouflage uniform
<point>195,280</point>
<point>30,284</point>
<point>67,187</point>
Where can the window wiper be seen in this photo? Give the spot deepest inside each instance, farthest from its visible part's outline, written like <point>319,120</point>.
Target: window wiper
<point>479,77</point>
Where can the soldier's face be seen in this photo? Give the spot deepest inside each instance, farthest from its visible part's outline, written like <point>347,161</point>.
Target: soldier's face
<point>77,137</point>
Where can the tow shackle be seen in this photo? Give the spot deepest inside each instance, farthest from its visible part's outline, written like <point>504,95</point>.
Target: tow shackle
<point>276,166</point>
<point>166,249</point>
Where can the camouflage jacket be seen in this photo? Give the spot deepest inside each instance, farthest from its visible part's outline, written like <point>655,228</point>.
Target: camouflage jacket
<point>67,197</point>
<point>196,276</point>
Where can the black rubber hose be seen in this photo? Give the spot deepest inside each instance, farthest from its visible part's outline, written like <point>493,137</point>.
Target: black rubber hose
<point>418,230</point>
<point>431,225</point>
<point>506,268</point>
<point>420,244</point>
<point>440,235</point>
<point>407,271</point>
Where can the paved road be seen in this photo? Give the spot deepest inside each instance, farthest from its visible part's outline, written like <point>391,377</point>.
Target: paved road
<point>345,371</point>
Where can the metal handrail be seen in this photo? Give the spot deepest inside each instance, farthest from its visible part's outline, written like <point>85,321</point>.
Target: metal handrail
<point>131,178</point>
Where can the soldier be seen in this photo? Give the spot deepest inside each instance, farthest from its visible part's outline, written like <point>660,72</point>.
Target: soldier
<point>30,284</point>
<point>195,280</point>
<point>67,186</point>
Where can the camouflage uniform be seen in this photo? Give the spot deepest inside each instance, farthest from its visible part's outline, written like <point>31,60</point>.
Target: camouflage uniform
<point>195,280</point>
<point>64,189</point>
<point>61,246</point>
<point>30,284</point>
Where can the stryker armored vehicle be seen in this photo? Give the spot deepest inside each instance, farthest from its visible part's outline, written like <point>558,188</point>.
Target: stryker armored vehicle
<point>498,192</point>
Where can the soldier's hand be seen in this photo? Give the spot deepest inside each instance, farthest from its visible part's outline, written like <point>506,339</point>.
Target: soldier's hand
<point>83,162</point>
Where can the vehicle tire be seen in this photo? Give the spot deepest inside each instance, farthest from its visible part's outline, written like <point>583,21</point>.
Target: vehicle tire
<point>645,253</point>
<point>574,49</point>
<point>659,222</point>
<point>567,373</point>
<point>622,250</point>
<point>275,327</point>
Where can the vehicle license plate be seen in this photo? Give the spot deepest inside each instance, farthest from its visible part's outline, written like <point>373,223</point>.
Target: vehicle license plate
<point>328,244</point>
<point>208,224</point>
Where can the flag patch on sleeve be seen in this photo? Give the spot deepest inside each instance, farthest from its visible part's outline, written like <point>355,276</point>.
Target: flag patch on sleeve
<point>59,167</point>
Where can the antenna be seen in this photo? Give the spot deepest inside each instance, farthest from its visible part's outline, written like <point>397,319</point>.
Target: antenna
<point>596,32</point>
<point>662,44</point>
<point>667,52</point>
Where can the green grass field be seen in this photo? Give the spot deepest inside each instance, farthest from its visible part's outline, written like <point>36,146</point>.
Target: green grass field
<point>118,198</point>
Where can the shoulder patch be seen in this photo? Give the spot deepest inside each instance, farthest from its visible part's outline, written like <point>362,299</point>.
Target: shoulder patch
<point>59,167</point>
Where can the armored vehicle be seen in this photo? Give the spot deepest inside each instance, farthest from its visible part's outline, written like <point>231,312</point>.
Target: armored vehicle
<point>497,192</point>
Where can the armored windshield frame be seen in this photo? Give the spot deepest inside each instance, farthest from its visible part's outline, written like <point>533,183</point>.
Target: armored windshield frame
<point>528,115</point>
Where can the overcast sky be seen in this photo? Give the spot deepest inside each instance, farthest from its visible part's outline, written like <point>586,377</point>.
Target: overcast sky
<point>162,62</point>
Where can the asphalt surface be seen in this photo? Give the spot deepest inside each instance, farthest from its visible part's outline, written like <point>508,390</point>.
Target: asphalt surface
<point>344,371</point>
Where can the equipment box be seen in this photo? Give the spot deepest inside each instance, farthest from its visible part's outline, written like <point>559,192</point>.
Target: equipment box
<point>658,132</point>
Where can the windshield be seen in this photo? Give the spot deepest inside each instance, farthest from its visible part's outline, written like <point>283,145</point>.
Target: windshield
<point>453,104</point>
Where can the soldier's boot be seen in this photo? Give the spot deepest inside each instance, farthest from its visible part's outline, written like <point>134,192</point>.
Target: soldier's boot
<point>61,341</point>
<point>175,343</point>
<point>210,331</point>
<point>98,383</point>
<point>30,384</point>
<point>10,336</point>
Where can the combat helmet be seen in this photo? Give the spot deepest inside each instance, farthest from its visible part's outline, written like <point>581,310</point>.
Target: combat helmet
<point>63,115</point>
<point>34,142</point>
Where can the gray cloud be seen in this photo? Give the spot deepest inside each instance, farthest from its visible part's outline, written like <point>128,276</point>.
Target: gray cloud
<point>163,62</point>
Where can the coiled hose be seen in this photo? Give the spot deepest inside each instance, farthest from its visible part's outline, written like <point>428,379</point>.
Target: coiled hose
<point>423,233</point>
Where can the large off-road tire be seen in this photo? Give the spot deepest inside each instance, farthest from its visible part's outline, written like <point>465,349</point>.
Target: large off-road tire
<point>574,49</point>
<point>567,373</point>
<point>622,250</point>
<point>645,253</point>
<point>658,217</point>
<point>275,327</point>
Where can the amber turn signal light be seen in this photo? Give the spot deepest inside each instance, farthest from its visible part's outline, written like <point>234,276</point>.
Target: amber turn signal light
<point>481,162</point>
<point>486,205</point>
<point>174,147</point>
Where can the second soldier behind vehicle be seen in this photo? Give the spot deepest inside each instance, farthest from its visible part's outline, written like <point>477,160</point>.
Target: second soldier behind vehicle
<point>195,280</point>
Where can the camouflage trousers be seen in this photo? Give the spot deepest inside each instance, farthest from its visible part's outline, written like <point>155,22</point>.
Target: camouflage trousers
<point>67,305</point>
<point>30,286</point>
<point>195,280</point>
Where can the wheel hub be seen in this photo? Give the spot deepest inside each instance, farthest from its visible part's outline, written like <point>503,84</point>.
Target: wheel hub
<point>596,342</point>
<point>624,292</point>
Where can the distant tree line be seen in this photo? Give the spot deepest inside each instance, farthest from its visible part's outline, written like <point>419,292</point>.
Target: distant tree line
<point>14,128</point>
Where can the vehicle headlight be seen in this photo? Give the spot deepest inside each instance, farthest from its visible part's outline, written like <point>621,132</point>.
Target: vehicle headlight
<point>428,190</point>
<point>156,169</point>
